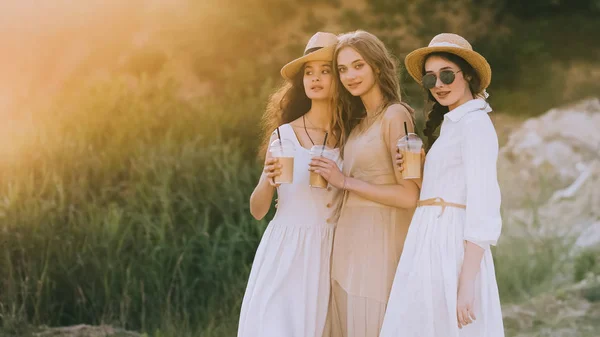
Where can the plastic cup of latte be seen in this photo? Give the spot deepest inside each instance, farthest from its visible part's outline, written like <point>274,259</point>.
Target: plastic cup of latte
<point>284,150</point>
<point>410,147</point>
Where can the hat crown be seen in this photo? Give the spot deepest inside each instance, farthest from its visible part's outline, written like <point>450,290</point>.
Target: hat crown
<point>321,40</point>
<point>450,40</point>
<point>453,44</point>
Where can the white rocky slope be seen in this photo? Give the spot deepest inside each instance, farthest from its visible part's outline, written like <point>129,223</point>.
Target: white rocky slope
<point>549,173</point>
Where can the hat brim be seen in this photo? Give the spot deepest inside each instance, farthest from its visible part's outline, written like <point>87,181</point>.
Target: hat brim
<point>291,69</point>
<point>415,60</point>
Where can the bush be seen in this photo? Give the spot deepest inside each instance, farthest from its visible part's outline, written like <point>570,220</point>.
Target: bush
<point>129,206</point>
<point>528,264</point>
<point>587,262</point>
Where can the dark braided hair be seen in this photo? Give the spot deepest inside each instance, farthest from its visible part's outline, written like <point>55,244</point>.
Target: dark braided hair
<point>436,115</point>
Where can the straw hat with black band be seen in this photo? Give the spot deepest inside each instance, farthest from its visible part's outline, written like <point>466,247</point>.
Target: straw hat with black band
<point>320,47</point>
<point>453,44</point>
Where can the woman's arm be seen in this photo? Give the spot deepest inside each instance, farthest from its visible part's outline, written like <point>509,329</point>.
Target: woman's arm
<point>400,166</point>
<point>479,148</point>
<point>260,200</point>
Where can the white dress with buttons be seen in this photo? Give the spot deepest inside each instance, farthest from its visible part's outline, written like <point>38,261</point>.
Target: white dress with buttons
<point>289,285</point>
<point>460,168</point>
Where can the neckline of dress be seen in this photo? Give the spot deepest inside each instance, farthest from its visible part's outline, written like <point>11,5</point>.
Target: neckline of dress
<point>298,141</point>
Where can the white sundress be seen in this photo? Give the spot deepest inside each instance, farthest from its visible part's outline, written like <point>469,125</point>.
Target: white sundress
<point>289,285</point>
<point>460,168</point>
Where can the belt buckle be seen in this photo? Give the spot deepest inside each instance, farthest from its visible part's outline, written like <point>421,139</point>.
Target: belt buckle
<point>442,205</point>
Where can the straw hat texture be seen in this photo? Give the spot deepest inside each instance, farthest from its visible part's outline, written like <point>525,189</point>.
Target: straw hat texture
<point>454,44</point>
<point>320,47</point>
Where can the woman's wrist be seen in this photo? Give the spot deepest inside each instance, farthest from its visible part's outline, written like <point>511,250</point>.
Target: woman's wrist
<point>471,261</point>
<point>347,184</point>
<point>266,183</point>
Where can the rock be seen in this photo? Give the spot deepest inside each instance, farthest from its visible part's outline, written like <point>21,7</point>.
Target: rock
<point>85,331</point>
<point>565,312</point>
<point>549,152</point>
<point>572,211</point>
<point>549,174</point>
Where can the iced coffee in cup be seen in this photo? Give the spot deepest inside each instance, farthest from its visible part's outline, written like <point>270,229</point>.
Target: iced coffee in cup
<point>284,150</point>
<point>410,147</point>
<point>316,180</point>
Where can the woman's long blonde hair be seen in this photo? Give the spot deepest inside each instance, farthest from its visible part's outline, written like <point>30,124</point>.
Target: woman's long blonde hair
<point>349,110</point>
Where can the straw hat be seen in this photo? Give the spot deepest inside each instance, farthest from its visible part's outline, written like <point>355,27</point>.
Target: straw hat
<point>320,47</point>
<point>453,44</point>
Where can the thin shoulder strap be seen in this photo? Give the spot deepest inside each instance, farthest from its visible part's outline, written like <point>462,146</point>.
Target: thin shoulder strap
<point>288,133</point>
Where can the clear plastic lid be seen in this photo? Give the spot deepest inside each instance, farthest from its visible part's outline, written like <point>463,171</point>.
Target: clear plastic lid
<point>412,142</point>
<point>282,148</point>
<point>318,150</point>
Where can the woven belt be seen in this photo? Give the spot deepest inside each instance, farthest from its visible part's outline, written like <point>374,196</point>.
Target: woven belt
<point>439,202</point>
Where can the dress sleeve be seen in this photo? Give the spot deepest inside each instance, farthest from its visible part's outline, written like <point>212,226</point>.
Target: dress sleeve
<point>480,155</point>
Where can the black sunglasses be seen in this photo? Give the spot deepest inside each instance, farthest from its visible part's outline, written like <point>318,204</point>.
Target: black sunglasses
<point>446,76</point>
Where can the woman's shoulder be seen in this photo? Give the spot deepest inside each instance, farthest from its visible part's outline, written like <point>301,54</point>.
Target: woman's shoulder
<point>280,127</point>
<point>398,112</point>
<point>477,117</point>
<point>478,125</point>
<point>479,114</point>
<point>296,122</point>
<point>299,123</point>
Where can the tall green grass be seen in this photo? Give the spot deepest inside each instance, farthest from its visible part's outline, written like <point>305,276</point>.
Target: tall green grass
<point>528,265</point>
<point>126,205</point>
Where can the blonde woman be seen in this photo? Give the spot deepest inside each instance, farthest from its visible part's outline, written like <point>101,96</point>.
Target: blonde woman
<point>288,289</point>
<point>445,283</point>
<point>378,204</point>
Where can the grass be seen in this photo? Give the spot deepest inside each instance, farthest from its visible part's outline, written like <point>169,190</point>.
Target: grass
<point>128,206</point>
<point>123,204</point>
<point>528,265</point>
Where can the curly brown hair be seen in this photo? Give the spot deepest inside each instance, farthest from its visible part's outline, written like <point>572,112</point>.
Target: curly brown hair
<point>285,105</point>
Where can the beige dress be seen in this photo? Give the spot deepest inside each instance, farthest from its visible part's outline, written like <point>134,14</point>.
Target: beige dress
<point>369,236</point>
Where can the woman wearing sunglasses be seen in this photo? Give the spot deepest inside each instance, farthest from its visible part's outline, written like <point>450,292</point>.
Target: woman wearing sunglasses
<point>445,283</point>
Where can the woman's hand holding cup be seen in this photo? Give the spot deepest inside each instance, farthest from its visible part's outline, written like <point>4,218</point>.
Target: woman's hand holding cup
<point>399,160</point>
<point>271,170</point>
